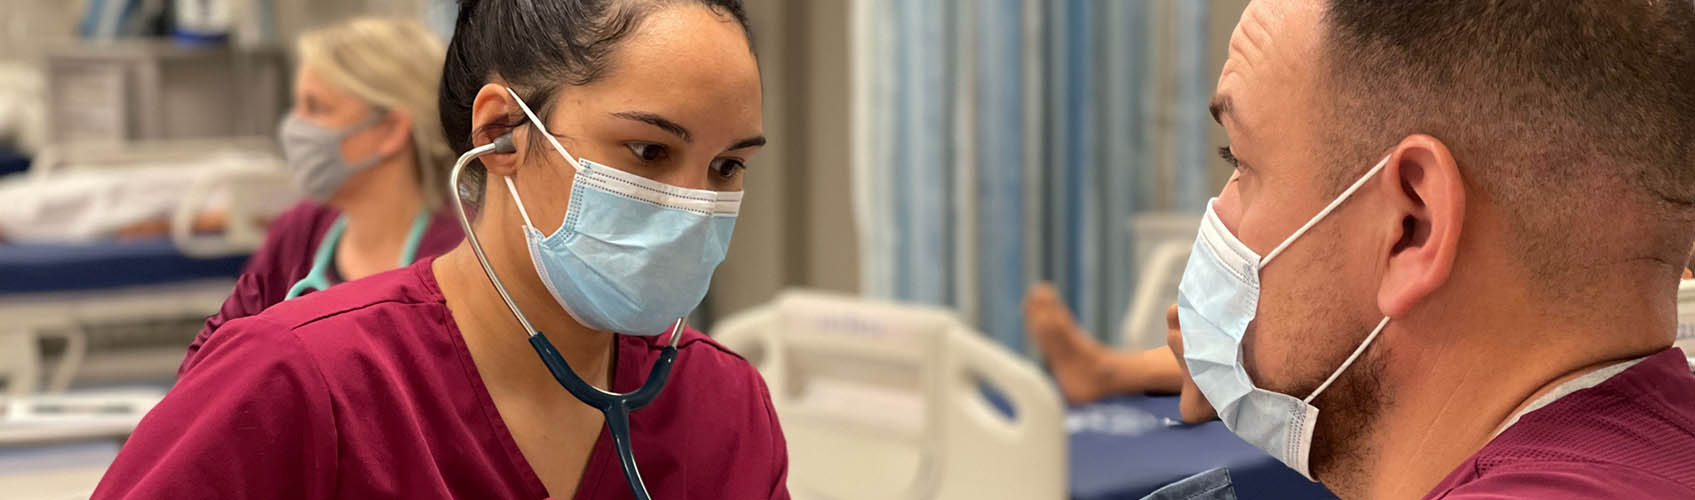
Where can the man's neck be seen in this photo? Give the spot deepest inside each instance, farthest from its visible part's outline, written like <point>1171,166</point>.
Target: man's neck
<point>1453,399</point>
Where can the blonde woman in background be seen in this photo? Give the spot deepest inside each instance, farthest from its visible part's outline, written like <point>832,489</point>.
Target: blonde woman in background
<point>364,144</point>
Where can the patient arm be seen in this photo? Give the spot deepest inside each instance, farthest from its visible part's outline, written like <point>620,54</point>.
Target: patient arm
<point>210,221</point>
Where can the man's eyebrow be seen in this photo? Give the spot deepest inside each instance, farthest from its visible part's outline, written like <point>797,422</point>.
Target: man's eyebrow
<point>657,121</point>
<point>1221,105</point>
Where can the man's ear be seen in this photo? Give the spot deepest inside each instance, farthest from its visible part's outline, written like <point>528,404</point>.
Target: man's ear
<point>493,114</point>
<point>1427,201</point>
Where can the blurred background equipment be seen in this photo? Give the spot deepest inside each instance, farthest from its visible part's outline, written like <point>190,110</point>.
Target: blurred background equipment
<point>135,234</point>
<point>138,173</point>
<point>129,90</point>
<point>880,400</point>
<point>1162,243</point>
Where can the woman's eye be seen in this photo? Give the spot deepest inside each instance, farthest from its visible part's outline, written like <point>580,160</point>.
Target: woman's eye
<point>728,168</point>
<point>649,153</point>
<point>1229,157</point>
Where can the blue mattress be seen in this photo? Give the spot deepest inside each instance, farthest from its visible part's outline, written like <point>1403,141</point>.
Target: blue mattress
<point>41,268</point>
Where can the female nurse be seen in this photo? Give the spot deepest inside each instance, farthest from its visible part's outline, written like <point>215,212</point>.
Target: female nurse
<point>363,144</point>
<point>604,143</point>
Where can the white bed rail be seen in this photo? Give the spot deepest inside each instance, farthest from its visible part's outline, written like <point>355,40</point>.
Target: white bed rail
<point>882,400</point>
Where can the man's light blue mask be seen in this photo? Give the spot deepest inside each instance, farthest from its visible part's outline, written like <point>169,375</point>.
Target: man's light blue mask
<point>1216,300</point>
<point>633,254</point>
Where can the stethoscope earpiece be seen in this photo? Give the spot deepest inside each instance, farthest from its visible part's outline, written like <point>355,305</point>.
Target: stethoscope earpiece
<point>503,144</point>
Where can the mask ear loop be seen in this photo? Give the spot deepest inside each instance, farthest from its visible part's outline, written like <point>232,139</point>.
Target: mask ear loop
<point>1322,213</point>
<point>1345,364</point>
<point>512,188</point>
<point>541,127</point>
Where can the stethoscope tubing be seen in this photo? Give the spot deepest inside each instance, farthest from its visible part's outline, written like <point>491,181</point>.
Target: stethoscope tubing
<point>616,407</point>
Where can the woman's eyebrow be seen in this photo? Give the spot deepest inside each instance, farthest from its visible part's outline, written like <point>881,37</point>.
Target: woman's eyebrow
<point>748,143</point>
<point>658,121</point>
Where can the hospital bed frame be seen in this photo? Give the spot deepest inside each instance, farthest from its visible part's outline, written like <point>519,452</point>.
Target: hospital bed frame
<point>1162,244</point>
<point>880,400</point>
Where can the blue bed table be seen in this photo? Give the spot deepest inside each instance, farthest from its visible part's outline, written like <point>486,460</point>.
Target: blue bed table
<point>1127,447</point>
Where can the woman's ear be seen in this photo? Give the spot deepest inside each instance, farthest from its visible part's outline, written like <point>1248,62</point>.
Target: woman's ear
<point>398,134</point>
<point>492,115</point>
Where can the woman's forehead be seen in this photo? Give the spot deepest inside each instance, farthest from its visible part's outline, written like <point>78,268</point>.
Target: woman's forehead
<point>687,64</point>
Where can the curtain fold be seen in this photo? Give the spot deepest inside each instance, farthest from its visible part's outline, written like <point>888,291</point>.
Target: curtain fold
<point>1000,142</point>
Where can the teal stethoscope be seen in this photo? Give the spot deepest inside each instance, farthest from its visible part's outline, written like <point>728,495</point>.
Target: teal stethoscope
<point>319,277</point>
<point>616,407</point>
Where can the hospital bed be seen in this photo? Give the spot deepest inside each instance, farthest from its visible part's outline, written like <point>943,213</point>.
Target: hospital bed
<point>94,299</point>
<point>58,291</point>
<point>891,401</point>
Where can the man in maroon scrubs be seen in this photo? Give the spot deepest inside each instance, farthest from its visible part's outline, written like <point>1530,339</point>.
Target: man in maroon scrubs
<point>1520,244</point>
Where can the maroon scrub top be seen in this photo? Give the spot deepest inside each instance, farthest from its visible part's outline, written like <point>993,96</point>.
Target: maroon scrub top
<point>1632,436</point>
<point>366,390</point>
<point>286,257</point>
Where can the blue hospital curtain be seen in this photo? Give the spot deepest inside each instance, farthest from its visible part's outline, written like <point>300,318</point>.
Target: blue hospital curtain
<point>1001,142</point>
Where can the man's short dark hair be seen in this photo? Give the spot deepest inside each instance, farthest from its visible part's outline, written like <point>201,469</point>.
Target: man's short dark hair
<point>1567,114</point>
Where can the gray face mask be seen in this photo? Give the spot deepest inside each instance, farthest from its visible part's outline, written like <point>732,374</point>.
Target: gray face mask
<point>314,158</point>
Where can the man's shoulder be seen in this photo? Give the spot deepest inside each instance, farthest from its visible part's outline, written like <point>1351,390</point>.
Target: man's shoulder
<point>1633,432</point>
<point>1564,479</point>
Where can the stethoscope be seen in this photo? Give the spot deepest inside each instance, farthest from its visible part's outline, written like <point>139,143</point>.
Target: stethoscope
<point>615,406</point>
<point>319,277</point>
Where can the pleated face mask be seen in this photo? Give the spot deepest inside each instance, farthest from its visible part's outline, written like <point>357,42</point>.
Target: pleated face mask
<point>1217,299</point>
<point>633,254</point>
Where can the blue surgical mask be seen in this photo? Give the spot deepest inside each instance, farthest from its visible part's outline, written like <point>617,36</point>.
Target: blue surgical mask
<point>633,254</point>
<point>1216,300</point>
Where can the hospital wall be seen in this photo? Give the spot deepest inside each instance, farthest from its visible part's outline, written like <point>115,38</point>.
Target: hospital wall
<point>797,227</point>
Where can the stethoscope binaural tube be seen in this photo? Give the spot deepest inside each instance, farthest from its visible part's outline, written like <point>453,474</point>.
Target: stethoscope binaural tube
<point>616,407</point>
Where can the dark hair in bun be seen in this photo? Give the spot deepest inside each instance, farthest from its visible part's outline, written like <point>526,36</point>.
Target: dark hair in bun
<point>534,45</point>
